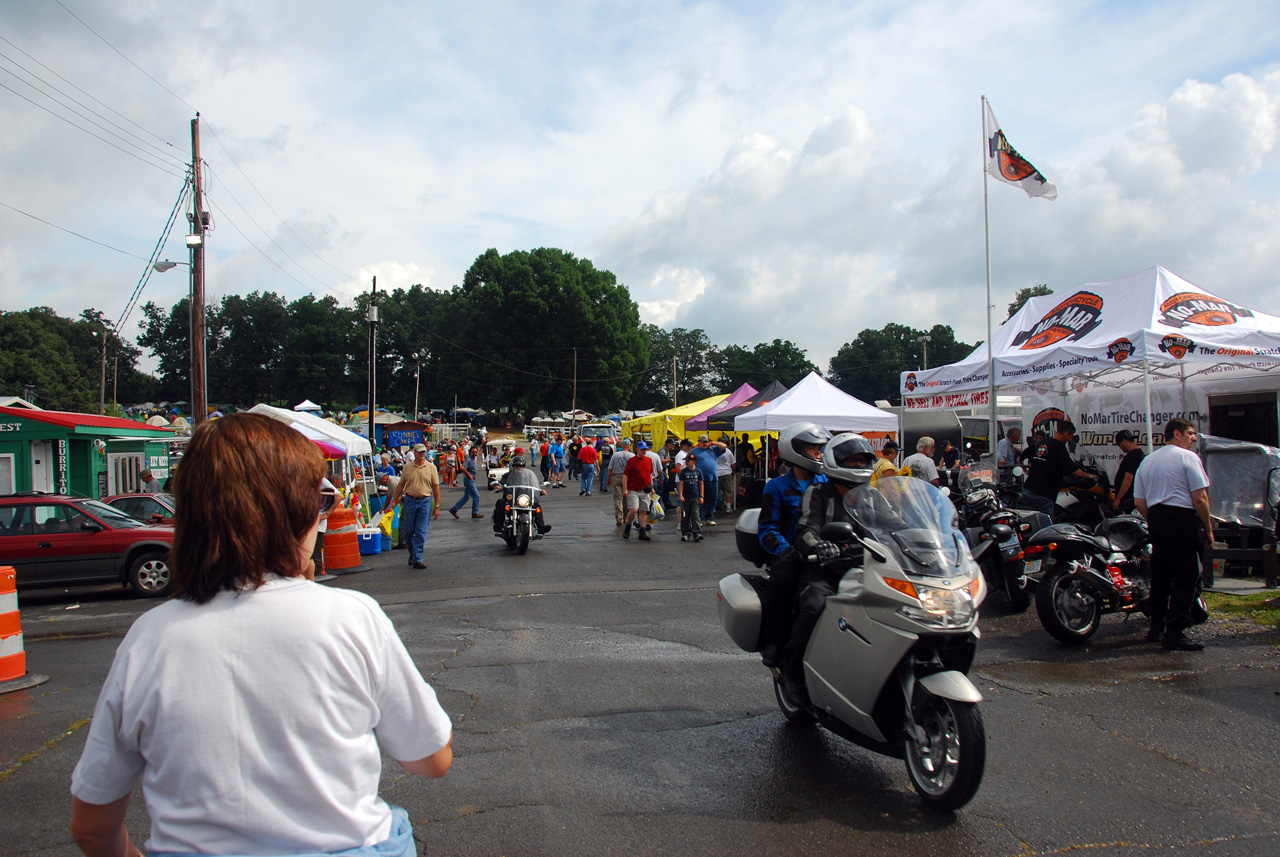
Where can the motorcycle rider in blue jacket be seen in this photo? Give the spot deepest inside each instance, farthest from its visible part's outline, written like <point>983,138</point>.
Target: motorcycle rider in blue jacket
<point>801,445</point>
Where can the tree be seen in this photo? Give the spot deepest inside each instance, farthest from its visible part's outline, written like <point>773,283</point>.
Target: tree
<point>37,354</point>
<point>1025,294</point>
<point>870,367</point>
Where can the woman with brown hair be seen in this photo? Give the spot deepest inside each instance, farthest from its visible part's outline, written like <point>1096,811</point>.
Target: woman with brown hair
<point>251,707</point>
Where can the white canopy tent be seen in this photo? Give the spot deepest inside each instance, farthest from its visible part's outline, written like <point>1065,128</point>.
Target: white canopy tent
<point>307,405</point>
<point>1127,331</point>
<point>817,400</point>
<point>316,428</point>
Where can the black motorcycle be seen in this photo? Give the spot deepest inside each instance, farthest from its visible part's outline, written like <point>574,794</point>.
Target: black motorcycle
<point>996,535</point>
<point>1086,575</point>
<point>518,528</point>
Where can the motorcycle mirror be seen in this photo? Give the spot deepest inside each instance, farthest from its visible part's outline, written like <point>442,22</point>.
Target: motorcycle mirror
<point>837,531</point>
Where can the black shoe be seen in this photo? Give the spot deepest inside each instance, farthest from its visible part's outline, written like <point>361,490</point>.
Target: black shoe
<point>580,493</point>
<point>644,536</point>
<point>698,538</point>
<point>1180,642</point>
<point>771,655</point>
<point>544,529</point>
<point>1155,634</point>
<point>796,692</point>
<point>626,531</point>
<point>419,564</point>
<point>398,547</point>
<point>453,512</point>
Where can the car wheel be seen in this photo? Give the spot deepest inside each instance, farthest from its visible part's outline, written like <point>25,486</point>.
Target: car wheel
<point>149,576</point>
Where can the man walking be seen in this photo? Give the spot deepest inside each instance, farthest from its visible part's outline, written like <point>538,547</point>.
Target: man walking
<point>616,482</point>
<point>420,488</point>
<point>1171,490</point>
<point>704,456</point>
<point>638,474</point>
<point>470,468</point>
<point>587,458</point>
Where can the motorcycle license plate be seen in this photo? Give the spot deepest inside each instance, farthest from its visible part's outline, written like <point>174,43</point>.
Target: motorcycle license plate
<point>1011,546</point>
<point>1032,567</point>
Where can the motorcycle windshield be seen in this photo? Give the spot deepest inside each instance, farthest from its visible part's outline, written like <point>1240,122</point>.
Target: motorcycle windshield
<point>915,521</point>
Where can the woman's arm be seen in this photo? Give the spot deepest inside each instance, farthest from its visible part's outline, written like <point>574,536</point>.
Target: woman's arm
<point>436,765</point>
<point>99,828</point>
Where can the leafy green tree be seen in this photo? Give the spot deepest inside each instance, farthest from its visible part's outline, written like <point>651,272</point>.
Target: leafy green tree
<point>780,360</point>
<point>168,336</point>
<point>1025,294</point>
<point>38,354</point>
<point>246,364</point>
<point>322,352</point>
<point>870,366</point>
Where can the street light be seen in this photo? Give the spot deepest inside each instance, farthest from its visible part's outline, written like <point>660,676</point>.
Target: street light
<point>199,383</point>
<point>926,339</point>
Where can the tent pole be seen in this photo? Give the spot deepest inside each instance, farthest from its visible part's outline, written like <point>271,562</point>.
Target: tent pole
<point>1146,395</point>
<point>986,234</point>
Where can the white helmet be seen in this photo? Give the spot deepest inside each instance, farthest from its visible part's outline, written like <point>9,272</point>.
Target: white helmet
<point>840,449</point>
<point>793,440</point>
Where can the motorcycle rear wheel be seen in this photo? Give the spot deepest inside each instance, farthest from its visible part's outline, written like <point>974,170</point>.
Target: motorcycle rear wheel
<point>947,768</point>
<point>796,715</point>
<point>1067,609</point>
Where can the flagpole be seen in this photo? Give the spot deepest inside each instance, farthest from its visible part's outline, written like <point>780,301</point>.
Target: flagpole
<point>986,234</point>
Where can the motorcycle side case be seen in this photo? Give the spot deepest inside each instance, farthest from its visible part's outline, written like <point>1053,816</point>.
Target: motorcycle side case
<point>746,533</point>
<point>741,611</point>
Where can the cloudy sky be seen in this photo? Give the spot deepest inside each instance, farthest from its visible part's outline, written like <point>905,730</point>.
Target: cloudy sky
<point>758,169</point>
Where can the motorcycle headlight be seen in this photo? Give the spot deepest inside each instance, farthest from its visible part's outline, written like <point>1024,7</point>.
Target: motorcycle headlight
<point>941,608</point>
<point>522,500</point>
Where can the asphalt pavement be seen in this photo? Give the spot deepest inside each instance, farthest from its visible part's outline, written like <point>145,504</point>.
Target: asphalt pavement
<point>599,708</point>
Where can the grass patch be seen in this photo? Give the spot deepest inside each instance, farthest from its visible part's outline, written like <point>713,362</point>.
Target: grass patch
<point>1253,607</point>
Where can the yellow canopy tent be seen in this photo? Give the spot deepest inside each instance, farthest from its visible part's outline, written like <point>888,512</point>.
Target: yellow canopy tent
<point>656,427</point>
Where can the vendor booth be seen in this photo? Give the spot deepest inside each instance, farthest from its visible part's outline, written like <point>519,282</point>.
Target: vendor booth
<point>83,455</point>
<point>819,401</point>
<point>742,395</point>
<point>655,428</point>
<point>355,468</point>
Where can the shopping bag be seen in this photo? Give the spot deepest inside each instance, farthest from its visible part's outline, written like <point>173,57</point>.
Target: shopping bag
<point>655,508</point>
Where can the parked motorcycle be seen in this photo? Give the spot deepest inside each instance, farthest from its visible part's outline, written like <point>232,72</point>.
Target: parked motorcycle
<point>996,535</point>
<point>518,528</point>
<point>886,666</point>
<point>1086,575</point>
<point>1084,501</point>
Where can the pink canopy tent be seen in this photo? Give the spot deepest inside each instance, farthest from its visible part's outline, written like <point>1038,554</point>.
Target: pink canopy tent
<point>737,397</point>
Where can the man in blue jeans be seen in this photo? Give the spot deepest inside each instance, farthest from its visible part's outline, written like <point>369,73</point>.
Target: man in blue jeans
<point>420,488</point>
<point>704,456</point>
<point>470,470</point>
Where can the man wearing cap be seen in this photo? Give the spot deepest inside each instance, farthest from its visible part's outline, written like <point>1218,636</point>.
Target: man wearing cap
<point>886,464</point>
<point>519,474</point>
<point>420,488</point>
<point>705,455</point>
<point>1133,455</point>
<point>616,482</point>
<point>638,475</point>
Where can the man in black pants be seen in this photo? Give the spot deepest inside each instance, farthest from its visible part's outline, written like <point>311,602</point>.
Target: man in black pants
<point>1171,491</point>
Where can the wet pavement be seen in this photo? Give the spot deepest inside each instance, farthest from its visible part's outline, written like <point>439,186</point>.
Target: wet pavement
<point>599,709</point>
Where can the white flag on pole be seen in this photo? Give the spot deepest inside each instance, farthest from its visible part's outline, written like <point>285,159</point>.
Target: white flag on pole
<point>1004,162</point>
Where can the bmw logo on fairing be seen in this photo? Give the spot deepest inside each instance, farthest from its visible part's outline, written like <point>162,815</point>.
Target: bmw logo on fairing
<point>946,583</point>
<point>843,624</point>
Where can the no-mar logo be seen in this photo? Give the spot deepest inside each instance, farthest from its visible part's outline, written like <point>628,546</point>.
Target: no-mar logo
<point>1120,350</point>
<point>1194,308</point>
<point>1177,346</point>
<point>1047,420</point>
<point>911,382</point>
<point>1073,319</point>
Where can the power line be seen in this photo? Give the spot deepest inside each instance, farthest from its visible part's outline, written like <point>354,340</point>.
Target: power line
<point>259,249</point>
<point>69,232</point>
<point>146,274</point>
<point>125,58</point>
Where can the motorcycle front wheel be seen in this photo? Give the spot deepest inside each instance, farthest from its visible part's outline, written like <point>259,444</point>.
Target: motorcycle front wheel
<point>1067,609</point>
<point>946,767</point>
<point>522,542</point>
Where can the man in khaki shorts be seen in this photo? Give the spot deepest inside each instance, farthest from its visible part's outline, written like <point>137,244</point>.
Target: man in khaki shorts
<point>638,474</point>
<point>616,483</point>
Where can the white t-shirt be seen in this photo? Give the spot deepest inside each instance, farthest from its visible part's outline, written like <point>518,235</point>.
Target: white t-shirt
<point>922,467</point>
<point>679,459</point>
<point>251,721</point>
<point>724,464</point>
<point>1168,476</point>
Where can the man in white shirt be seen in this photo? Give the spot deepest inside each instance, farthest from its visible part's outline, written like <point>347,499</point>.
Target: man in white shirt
<point>921,464</point>
<point>1171,490</point>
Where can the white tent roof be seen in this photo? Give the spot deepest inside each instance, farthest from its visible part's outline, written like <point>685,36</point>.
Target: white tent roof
<point>817,400</point>
<point>306,405</point>
<point>1111,327</point>
<point>316,428</point>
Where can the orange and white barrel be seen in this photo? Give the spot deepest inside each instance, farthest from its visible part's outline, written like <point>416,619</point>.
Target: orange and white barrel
<point>13,657</point>
<point>341,544</point>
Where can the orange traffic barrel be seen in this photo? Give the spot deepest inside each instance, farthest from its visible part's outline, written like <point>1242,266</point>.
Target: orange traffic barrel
<point>341,545</point>
<point>13,657</point>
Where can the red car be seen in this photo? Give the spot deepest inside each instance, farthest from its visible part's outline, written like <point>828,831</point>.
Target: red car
<point>54,540</point>
<point>148,508</point>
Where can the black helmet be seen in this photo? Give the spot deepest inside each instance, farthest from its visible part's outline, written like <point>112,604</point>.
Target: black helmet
<point>518,461</point>
<point>840,449</point>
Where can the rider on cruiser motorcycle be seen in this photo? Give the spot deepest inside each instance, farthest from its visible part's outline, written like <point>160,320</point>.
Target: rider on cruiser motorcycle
<point>847,463</point>
<point>800,444</point>
<point>518,475</point>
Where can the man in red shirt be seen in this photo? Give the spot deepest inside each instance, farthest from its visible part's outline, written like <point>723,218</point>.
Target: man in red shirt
<point>544,464</point>
<point>638,475</point>
<point>587,458</point>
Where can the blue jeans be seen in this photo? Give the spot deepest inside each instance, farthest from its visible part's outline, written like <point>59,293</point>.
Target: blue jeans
<point>469,492</point>
<point>709,495</point>
<point>415,519</point>
<point>588,477</point>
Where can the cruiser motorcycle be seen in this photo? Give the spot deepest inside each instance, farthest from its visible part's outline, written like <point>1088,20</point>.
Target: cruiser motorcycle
<point>518,528</point>
<point>887,664</point>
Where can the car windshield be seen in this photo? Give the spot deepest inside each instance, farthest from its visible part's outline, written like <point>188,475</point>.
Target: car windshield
<point>595,431</point>
<point>108,515</point>
<point>915,521</point>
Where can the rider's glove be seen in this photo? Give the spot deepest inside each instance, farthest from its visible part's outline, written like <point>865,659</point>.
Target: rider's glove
<point>826,551</point>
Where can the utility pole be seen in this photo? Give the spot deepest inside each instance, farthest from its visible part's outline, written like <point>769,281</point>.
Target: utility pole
<point>573,420</point>
<point>673,380</point>
<point>417,378</point>
<point>373,338</point>
<point>115,378</point>
<point>102,387</point>
<point>195,241</point>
